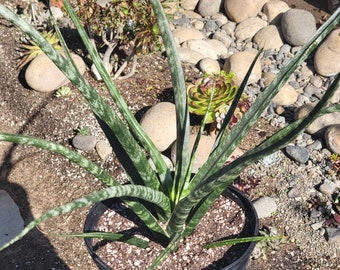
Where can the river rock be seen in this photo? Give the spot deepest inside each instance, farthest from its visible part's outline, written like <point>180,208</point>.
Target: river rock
<point>104,149</point>
<point>298,26</point>
<point>200,46</point>
<point>220,48</point>
<point>332,138</point>
<point>209,66</point>
<point>327,56</point>
<point>286,96</point>
<point>265,206</point>
<point>203,151</point>
<point>319,125</point>
<point>159,123</point>
<point>328,187</point>
<point>189,56</point>
<point>223,37</point>
<point>189,4</point>
<point>208,8</point>
<point>274,10</point>
<point>11,222</point>
<point>239,10</point>
<point>183,34</point>
<point>249,27</point>
<point>297,153</point>
<point>84,142</point>
<point>269,38</point>
<point>239,64</point>
<point>43,75</point>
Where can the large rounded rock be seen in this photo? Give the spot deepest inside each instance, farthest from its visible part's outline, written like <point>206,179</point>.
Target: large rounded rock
<point>208,8</point>
<point>327,56</point>
<point>159,123</point>
<point>239,64</point>
<point>249,27</point>
<point>319,125</point>
<point>239,10</point>
<point>269,38</point>
<point>201,46</point>
<point>332,138</point>
<point>298,26</point>
<point>189,56</point>
<point>183,34</point>
<point>189,4</point>
<point>274,10</point>
<point>220,48</point>
<point>203,151</point>
<point>43,75</point>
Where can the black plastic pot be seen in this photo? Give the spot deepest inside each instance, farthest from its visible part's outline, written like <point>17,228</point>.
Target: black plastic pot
<point>242,251</point>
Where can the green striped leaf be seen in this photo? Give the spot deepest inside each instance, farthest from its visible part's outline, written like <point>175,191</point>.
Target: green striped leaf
<point>128,239</point>
<point>135,191</point>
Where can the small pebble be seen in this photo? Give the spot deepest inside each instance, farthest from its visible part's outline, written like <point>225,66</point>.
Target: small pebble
<point>265,206</point>
<point>293,193</point>
<point>84,142</point>
<point>327,187</point>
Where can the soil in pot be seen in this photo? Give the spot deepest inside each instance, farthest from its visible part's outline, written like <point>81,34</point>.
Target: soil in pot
<point>225,219</point>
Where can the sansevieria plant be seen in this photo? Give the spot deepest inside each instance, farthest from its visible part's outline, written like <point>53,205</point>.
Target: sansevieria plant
<point>181,199</point>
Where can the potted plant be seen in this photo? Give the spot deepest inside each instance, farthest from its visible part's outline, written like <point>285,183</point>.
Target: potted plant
<point>169,204</point>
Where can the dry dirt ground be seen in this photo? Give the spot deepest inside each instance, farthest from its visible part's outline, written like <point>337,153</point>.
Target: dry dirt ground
<point>38,180</point>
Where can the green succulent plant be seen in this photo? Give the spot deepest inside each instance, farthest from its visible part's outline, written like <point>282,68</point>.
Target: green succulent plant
<point>171,205</point>
<point>221,88</point>
<point>32,50</point>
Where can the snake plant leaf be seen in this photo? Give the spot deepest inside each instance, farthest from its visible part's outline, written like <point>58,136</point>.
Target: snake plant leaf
<point>144,193</point>
<point>128,239</point>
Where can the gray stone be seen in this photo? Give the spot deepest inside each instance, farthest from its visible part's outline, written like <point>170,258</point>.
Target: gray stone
<point>297,153</point>
<point>11,222</point>
<point>298,26</point>
<point>84,142</point>
<point>327,56</point>
<point>333,235</point>
<point>265,206</point>
<point>293,193</point>
<point>159,123</point>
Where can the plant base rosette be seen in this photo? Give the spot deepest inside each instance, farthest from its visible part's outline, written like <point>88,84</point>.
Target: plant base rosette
<point>232,215</point>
